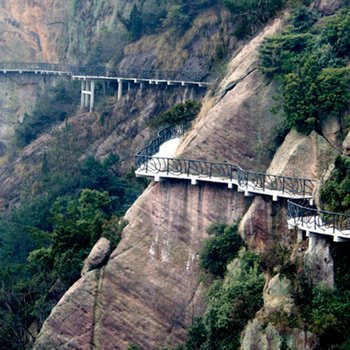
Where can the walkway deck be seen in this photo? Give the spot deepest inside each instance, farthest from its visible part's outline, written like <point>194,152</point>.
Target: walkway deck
<point>156,161</point>
<point>155,76</point>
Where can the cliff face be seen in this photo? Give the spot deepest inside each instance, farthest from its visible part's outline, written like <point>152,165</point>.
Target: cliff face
<point>149,291</point>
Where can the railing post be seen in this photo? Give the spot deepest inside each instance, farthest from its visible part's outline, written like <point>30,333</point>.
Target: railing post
<point>283,178</point>
<point>333,222</point>
<point>188,168</point>
<point>146,165</point>
<point>167,166</point>
<point>314,219</point>
<point>210,170</point>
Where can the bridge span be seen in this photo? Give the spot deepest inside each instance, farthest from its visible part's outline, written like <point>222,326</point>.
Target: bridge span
<point>157,162</point>
<point>90,74</point>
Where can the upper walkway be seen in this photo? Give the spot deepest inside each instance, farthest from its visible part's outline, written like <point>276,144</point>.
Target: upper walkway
<point>154,76</point>
<point>152,164</point>
<point>156,160</point>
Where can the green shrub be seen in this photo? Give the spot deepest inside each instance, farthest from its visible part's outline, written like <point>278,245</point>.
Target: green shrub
<point>335,193</point>
<point>232,303</point>
<point>180,13</point>
<point>180,113</point>
<point>55,105</point>
<point>255,9</point>
<point>66,207</point>
<point>308,60</point>
<point>219,249</point>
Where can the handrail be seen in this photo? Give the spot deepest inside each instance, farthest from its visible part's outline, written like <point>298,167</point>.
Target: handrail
<point>319,219</point>
<point>100,71</point>
<point>147,162</point>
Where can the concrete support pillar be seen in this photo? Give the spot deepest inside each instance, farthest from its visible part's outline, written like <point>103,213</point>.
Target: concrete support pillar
<point>92,94</point>
<point>312,241</point>
<point>87,97</point>
<point>299,236</point>
<point>141,86</point>
<point>184,97</point>
<point>129,87</point>
<point>104,88</point>
<point>86,103</point>
<point>120,89</point>
<point>82,95</point>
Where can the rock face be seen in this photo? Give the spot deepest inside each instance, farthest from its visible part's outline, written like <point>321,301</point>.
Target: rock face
<point>255,337</point>
<point>239,128</point>
<point>149,290</point>
<point>98,256</point>
<point>319,264</point>
<point>346,145</point>
<point>264,223</point>
<point>328,7</point>
<point>277,295</point>
<point>303,156</point>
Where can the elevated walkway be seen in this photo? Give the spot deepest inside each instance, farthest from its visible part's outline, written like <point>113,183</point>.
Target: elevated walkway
<point>150,162</point>
<point>156,161</point>
<point>90,74</point>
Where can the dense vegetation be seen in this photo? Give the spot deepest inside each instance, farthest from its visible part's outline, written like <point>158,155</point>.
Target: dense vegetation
<point>234,296</point>
<point>65,209</point>
<point>310,60</point>
<point>318,308</point>
<point>220,248</point>
<point>335,193</point>
<point>56,104</point>
<point>178,114</point>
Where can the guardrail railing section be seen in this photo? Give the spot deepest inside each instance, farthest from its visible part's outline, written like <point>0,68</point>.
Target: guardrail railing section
<point>279,183</point>
<point>302,212</point>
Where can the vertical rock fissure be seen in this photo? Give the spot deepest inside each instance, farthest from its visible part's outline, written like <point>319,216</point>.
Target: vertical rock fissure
<point>96,314</point>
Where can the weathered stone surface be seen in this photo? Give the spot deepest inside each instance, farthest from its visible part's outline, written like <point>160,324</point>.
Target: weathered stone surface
<point>191,52</point>
<point>303,156</point>
<point>332,131</point>
<point>255,337</point>
<point>346,145</point>
<point>277,295</point>
<point>319,263</point>
<point>328,7</point>
<point>150,290</point>
<point>238,126</point>
<point>98,255</point>
<point>264,223</point>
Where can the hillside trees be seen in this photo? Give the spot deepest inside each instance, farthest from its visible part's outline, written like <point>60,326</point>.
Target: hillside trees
<point>309,59</point>
<point>65,209</point>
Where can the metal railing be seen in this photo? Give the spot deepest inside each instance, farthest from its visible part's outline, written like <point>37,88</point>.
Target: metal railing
<point>99,71</point>
<point>260,182</point>
<point>302,212</point>
<point>285,184</point>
